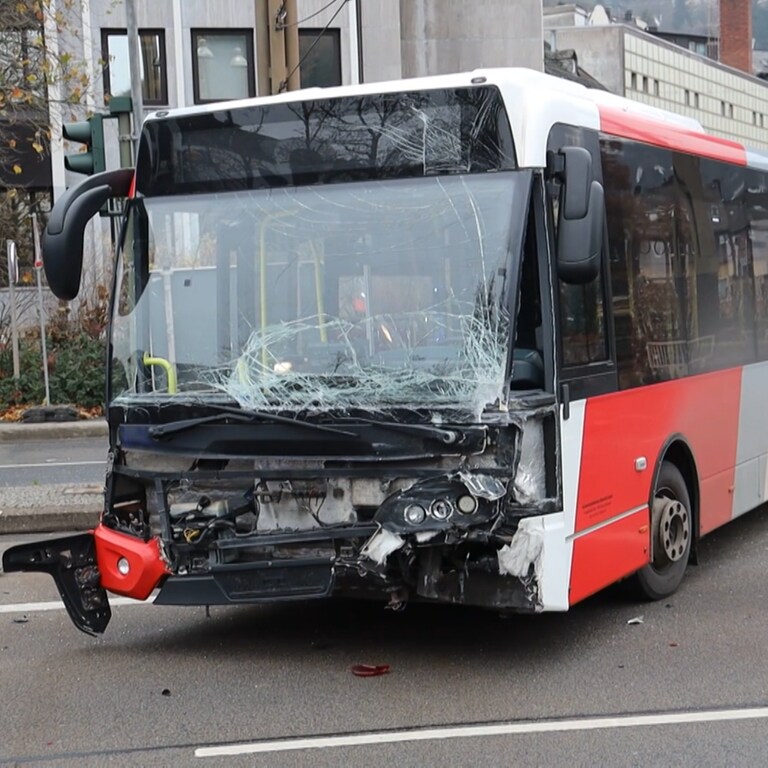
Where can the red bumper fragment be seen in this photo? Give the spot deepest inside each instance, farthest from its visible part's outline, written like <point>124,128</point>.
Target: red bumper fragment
<point>128,566</point>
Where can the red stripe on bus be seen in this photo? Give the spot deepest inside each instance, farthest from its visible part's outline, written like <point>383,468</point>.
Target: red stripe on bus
<point>628,125</point>
<point>623,428</point>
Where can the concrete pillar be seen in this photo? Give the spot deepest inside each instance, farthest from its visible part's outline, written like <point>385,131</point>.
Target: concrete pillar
<point>442,36</point>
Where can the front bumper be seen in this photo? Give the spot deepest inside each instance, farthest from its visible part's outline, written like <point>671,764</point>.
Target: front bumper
<point>86,565</point>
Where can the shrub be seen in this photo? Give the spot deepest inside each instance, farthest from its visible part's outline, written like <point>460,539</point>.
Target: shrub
<point>75,346</point>
<point>75,368</point>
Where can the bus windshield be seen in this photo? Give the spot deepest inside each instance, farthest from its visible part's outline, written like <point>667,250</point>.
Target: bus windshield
<point>324,254</point>
<point>371,294</point>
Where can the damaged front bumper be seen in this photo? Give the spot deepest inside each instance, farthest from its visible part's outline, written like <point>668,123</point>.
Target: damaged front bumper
<point>364,560</point>
<point>471,529</point>
<point>86,565</point>
<point>71,561</point>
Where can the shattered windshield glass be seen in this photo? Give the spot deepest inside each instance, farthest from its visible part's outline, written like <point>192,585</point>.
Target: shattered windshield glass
<point>378,292</point>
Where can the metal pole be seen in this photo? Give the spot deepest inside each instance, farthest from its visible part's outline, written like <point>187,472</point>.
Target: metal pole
<point>359,35</point>
<point>134,59</point>
<point>124,139</point>
<point>40,306</point>
<point>13,276</point>
<point>354,44</point>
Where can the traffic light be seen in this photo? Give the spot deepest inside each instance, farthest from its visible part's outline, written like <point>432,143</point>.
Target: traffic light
<point>91,133</point>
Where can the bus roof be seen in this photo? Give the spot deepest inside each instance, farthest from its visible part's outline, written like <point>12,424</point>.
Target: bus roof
<point>536,101</point>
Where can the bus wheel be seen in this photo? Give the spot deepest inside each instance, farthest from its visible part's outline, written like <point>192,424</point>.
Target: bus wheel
<point>671,534</point>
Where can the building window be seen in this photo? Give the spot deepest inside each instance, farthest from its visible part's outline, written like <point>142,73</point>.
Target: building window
<point>655,87</point>
<point>687,98</point>
<point>695,99</point>
<point>117,70</point>
<point>722,108</point>
<point>645,84</point>
<point>633,81</point>
<point>222,64</point>
<point>320,55</point>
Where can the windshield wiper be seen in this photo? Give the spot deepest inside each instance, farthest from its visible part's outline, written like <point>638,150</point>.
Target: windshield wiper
<point>244,417</point>
<point>447,436</point>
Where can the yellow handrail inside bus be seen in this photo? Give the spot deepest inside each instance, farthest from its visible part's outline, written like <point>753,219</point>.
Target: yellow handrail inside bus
<point>319,294</point>
<point>170,373</point>
<point>263,273</point>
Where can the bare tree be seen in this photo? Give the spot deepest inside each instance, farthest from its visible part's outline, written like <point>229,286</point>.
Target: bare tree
<point>31,72</point>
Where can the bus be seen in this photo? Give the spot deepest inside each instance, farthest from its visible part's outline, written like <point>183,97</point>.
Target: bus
<point>491,339</point>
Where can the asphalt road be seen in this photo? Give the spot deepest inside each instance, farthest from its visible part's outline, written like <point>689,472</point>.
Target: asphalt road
<point>163,685</point>
<point>42,462</point>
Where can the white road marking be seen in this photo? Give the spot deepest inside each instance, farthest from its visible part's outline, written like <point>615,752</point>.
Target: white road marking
<point>500,729</point>
<point>57,605</point>
<point>51,464</point>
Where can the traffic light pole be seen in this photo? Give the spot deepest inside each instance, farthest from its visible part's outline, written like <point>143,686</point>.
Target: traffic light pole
<point>125,140</point>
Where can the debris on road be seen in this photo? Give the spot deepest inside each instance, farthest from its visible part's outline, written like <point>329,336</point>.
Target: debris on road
<point>635,620</point>
<point>370,670</point>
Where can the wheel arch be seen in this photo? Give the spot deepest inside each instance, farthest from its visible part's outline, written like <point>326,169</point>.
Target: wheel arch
<point>677,451</point>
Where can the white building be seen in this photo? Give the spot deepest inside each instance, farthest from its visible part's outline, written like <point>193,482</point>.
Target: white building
<point>633,63</point>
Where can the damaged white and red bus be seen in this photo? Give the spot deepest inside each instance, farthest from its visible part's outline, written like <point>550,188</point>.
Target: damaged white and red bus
<point>491,339</point>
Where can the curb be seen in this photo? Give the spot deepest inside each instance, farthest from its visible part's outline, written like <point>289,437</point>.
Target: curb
<point>12,433</point>
<point>48,520</point>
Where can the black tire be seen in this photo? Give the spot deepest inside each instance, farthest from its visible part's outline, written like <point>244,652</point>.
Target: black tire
<point>671,535</point>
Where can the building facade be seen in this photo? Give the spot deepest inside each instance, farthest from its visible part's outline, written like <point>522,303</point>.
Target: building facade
<point>202,51</point>
<point>636,64</point>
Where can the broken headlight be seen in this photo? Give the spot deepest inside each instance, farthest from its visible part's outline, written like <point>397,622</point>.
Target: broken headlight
<point>434,506</point>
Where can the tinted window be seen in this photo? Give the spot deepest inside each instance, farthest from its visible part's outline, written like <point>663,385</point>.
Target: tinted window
<point>756,203</point>
<point>428,133</point>
<point>681,262</point>
<point>152,66</point>
<point>320,56</point>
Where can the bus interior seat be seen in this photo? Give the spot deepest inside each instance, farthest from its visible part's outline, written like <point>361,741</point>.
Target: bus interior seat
<point>527,369</point>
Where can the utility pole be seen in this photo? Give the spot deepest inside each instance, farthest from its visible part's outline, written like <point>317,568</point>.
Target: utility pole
<point>277,41</point>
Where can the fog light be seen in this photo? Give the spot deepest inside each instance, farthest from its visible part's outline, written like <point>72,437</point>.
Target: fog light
<point>467,504</point>
<point>415,514</point>
<point>123,566</point>
<point>441,509</point>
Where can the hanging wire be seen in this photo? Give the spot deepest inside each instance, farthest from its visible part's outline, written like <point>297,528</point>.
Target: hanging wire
<point>284,83</point>
<point>306,18</point>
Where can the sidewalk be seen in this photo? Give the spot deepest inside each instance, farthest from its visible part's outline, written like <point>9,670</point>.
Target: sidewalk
<point>50,507</point>
<point>11,432</point>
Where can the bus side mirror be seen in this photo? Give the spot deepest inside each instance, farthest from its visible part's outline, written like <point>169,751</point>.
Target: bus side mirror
<point>581,214</point>
<point>580,241</point>
<point>62,241</point>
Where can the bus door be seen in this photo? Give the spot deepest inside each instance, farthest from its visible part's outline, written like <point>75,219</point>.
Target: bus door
<point>609,530</point>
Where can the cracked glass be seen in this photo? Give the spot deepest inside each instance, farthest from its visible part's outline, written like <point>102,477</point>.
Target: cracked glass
<point>365,266</point>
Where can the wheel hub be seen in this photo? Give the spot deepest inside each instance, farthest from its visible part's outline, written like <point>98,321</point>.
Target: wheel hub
<point>672,529</point>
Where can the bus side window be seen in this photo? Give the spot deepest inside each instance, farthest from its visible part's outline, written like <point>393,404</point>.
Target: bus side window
<point>582,323</point>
